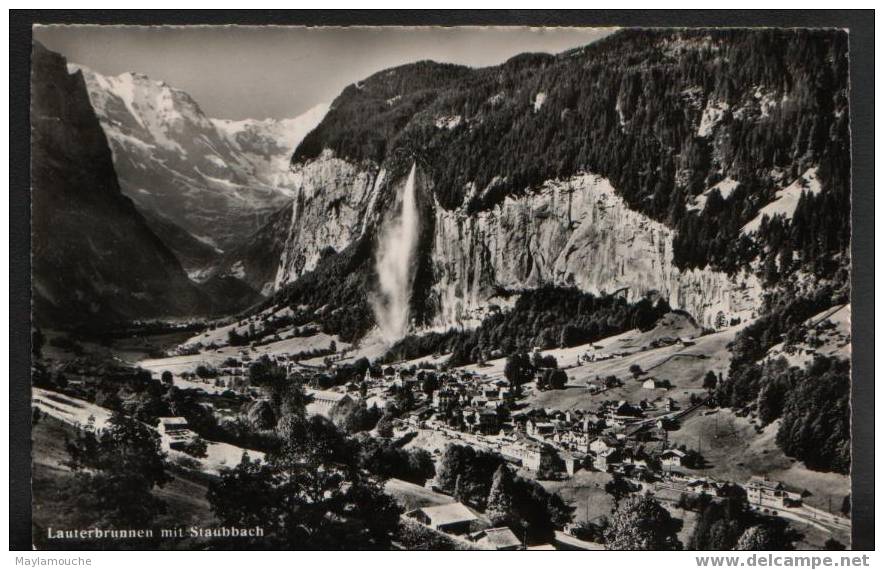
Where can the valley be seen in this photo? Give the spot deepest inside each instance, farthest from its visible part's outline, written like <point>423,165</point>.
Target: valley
<point>458,307</point>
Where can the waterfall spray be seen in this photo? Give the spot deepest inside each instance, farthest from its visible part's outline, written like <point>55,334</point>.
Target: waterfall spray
<point>394,262</point>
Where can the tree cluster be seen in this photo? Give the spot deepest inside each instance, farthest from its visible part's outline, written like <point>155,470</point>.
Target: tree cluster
<point>483,481</point>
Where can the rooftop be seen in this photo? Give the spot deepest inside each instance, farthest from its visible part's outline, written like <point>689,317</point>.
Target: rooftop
<point>448,514</point>
<point>173,421</point>
<point>500,538</point>
<point>325,395</point>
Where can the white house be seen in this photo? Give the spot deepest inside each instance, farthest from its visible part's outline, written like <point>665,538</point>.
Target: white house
<point>324,401</point>
<point>175,432</point>
<point>672,458</point>
<point>763,491</point>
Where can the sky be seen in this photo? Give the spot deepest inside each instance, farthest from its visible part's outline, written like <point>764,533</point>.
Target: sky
<point>238,72</point>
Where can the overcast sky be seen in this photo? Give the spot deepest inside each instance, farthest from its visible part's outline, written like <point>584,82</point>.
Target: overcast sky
<point>239,72</point>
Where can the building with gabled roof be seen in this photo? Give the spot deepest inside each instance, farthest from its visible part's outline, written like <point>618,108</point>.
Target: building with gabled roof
<point>764,491</point>
<point>324,401</point>
<point>500,538</point>
<point>453,518</point>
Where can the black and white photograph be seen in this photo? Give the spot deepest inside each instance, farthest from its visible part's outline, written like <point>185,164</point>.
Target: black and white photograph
<point>440,288</point>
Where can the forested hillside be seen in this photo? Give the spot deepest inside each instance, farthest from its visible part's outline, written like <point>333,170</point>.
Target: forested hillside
<point>665,115</point>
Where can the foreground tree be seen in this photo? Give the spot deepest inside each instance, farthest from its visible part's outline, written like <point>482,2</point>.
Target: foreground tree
<point>117,470</point>
<point>196,447</point>
<point>833,544</point>
<point>309,494</point>
<point>640,523</point>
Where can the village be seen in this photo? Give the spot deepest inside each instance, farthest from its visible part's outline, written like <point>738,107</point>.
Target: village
<point>634,411</point>
<point>436,406</point>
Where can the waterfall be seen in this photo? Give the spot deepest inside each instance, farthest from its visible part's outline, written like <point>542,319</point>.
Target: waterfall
<point>394,263</point>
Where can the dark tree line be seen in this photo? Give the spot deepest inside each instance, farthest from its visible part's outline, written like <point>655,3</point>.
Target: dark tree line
<point>549,317</point>
<point>813,401</point>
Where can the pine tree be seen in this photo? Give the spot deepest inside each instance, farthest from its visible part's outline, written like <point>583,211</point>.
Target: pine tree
<point>499,508</point>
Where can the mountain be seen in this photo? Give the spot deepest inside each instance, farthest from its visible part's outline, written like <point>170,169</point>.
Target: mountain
<point>219,180</point>
<point>95,259</point>
<point>195,255</point>
<point>255,262</point>
<point>632,164</point>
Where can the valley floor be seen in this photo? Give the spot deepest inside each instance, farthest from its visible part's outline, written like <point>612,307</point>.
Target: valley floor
<point>676,351</point>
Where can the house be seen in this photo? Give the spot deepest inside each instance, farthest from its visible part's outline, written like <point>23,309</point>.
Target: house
<point>174,432</point>
<point>324,401</point>
<point>491,394</point>
<point>672,458</point>
<point>453,518</point>
<point>444,399</point>
<point>764,491</point>
<point>572,463</point>
<point>171,425</point>
<point>417,417</point>
<point>530,455</point>
<point>602,444</point>
<point>592,423</point>
<point>376,400</point>
<point>654,384</point>
<point>478,401</point>
<point>538,429</point>
<point>666,424</point>
<point>605,460</point>
<point>501,538</point>
<point>489,423</point>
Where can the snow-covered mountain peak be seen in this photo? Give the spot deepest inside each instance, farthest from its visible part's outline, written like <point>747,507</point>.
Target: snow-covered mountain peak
<point>215,178</point>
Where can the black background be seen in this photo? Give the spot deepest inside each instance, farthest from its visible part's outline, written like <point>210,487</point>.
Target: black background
<point>861,24</point>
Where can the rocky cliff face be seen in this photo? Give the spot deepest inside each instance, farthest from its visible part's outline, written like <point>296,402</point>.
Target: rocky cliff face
<point>256,261</point>
<point>95,260</point>
<point>575,232</point>
<point>218,179</point>
<point>627,165</point>
<point>333,199</point>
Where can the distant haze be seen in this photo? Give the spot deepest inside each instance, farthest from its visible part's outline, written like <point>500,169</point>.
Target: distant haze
<point>238,72</point>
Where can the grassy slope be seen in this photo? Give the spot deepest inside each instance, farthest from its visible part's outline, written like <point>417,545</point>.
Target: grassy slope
<point>54,493</point>
<point>736,451</point>
<point>683,366</point>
